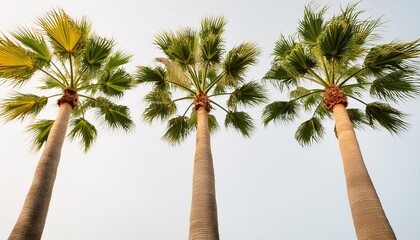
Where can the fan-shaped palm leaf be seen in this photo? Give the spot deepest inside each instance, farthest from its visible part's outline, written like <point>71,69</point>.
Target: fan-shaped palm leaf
<point>312,24</point>
<point>160,106</point>
<point>283,47</point>
<point>240,121</point>
<point>117,59</point>
<point>309,131</point>
<point>35,42</point>
<point>357,117</point>
<point>175,74</point>
<point>81,128</point>
<point>20,106</point>
<point>16,64</point>
<point>115,116</point>
<point>212,46</point>
<point>63,32</point>
<point>249,94</point>
<point>280,78</point>
<point>280,111</point>
<point>299,61</point>
<point>177,130</point>
<point>392,56</point>
<point>115,83</point>
<point>39,132</point>
<point>97,51</point>
<point>387,117</point>
<point>237,62</point>
<point>155,76</point>
<point>336,39</point>
<point>394,86</point>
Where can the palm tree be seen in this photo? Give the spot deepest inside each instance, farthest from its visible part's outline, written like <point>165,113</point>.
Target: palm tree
<point>197,68</point>
<point>328,62</point>
<point>85,72</point>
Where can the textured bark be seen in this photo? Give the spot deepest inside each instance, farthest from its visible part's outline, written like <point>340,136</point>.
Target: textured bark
<point>203,218</point>
<point>369,217</point>
<point>334,95</point>
<point>31,221</point>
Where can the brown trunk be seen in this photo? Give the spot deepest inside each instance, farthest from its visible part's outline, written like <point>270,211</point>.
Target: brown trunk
<point>369,218</point>
<point>203,218</point>
<point>31,221</point>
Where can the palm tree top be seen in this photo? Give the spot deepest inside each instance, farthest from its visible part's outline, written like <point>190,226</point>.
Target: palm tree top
<point>73,64</point>
<point>334,61</point>
<point>197,67</point>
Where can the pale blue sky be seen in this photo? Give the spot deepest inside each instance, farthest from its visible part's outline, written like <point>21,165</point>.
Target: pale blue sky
<point>134,186</point>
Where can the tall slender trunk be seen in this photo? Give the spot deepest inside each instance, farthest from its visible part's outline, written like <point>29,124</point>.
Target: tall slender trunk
<point>203,218</point>
<point>31,221</point>
<point>369,217</point>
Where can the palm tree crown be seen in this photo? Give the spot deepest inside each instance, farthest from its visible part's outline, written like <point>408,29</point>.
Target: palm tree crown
<point>197,65</point>
<point>336,55</point>
<point>81,67</point>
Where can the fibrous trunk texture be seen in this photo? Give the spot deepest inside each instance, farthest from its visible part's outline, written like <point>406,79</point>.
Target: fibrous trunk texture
<point>31,221</point>
<point>333,96</point>
<point>368,215</point>
<point>203,218</point>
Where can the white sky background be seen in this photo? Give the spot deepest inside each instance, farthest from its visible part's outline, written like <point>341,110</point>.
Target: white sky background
<point>135,186</point>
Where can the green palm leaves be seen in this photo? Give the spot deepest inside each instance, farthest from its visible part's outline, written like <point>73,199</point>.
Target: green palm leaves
<point>334,52</point>
<point>199,71</point>
<point>69,57</point>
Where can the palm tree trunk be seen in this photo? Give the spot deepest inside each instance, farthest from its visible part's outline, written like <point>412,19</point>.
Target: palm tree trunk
<point>203,218</point>
<point>31,221</point>
<point>369,217</point>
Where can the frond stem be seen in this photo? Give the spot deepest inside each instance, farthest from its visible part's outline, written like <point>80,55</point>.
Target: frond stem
<point>215,103</point>
<point>216,80</point>
<point>350,77</point>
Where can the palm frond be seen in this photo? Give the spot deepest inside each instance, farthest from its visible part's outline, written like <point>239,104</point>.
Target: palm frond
<point>392,56</point>
<point>299,61</point>
<point>164,41</point>
<point>117,59</point>
<point>160,106</point>
<point>212,26</point>
<point>237,62</point>
<point>240,121</point>
<point>183,47</point>
<point>39,132</point>
<point>283,48</point>
<point>81,128</point>
<point>16,63</point>
<point>386,116</point>
<point>394,86</point>
<point>177,130</point>
<point>357,117</point>
<point>312,24</point>
<point>211,41</point>
<point>115,116</point>
<point>34,41</point>
<point>336,39</point>
<point>309,132</point>
<point>250,94</point>
<point>175,74</point>
<point>20,106</point>
<point>97,51</point>
<point>115,83</point>
<point>280,111</point>
<point>280,78</point>
<point>62,31</point>
<point>155,76</point>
